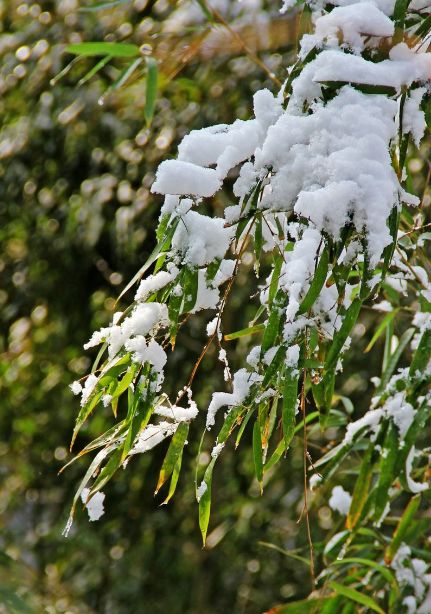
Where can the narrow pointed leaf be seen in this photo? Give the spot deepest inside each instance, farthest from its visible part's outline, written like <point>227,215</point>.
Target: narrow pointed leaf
<point>150,90</point>
<point>175,449</point>
<point>116,50</point>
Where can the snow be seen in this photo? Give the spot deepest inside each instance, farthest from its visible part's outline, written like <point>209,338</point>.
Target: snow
<point>202,488</point>
<point>94,506</point>
<point>177,177</point>
<point>340,500</point>
<point>178,414</point>
<point>292,356</point>
<point>76,387</point>
<point>201,239</point>
<point>413,116</point>
<point>401,69</point>
<point>370,420</point>
<point>143,352</point>
<point>154,283</point>
<point>414,487</point>
<point>152,435</point>
<point>401,412</point>
<point>215,452</point>
<point>355,24</point>
<point>242,382</point>
<point>90,384</point>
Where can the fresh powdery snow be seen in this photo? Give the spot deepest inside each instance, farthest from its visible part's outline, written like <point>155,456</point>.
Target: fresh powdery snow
<point>340,500</point>
<point>94,505</point>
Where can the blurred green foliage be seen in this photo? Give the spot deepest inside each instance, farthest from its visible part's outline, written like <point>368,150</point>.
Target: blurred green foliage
<point>77,220</point>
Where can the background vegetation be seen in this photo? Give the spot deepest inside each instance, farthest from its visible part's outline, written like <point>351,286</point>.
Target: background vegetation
<point>77,221</point>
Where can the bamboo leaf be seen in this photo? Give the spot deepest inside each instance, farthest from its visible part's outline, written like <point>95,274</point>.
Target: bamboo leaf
<point>361,490</point>
<point>257,454</point>
<point>175,449</point>
<point>83,415</point>
<point>273,325</point>
<point>244,332</point>
<point>394,358</point>
<point>107,472</point>
<point>275,456</point>
<point>384,571</point>
<point>305,606</point>
<point>174,478</point>
<point>115,50</point>
<point>164,240</point>
<point>317,283</point>
<point>290,395</point>
<point>356,596</point>
<point>100,6</point>
<point>274,366</point>
<point>341,335</point>
<point>100,64</point>
<point>422,354</point>
<point>404,524</point>
<point>387,471</point>
<point>190,288</point>
<point>150,90</point>
<point>273,286</point>
<point>205,501</point>
<point>381,329</point>
<point>258,240</point>
<point>243,425</point>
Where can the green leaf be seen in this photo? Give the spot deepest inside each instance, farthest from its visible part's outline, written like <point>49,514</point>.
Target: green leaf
<point>404,524</point>
<point>115,50</point>
<point>165,233</point>
<point>305,606</point>
<point>174,478</point>
<point>381,328</point>
<point>273,325</point>
<point>317,283</point>
<point>125,382</point>
<point>274,366</point>
<point>422,354</point>
<point>174,451</point>
<point>244,332</point>
<point>205,501</point>
<point>100,6</point>
<point>257,454</point>
<point>356,596</point>
<point>275,456</point>
<point>100,64</point>
<point>258,240</point>
<point>190,288</point>
<point>138,416</point>
<point>393,360</point>
<point>243,425</point>
<point>174,310</point>
<point>341,335</point>
<point>290,395</point>
<point>387,470</point>
<point>94,465</point>
<point>84,412</point>
<point>273,286</point>
<point>384,571</point>
<point>400,11</point>
<point>107,472</point>
<point>289,553</point>
<point>150,90</point>
<point>124,76</point>
<point>206,11</point>
<point>361,490</point>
